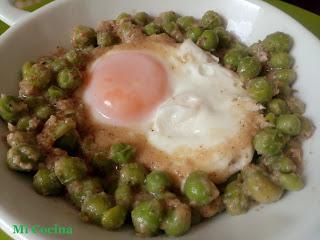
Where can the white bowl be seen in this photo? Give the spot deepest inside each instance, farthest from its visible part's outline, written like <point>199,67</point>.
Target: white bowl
<point>295,217</point>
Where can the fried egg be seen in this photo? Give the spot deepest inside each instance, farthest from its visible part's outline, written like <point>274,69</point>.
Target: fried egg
<point>175,103</point>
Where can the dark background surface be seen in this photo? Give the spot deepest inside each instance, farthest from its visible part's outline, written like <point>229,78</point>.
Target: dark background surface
<point>310,5</point>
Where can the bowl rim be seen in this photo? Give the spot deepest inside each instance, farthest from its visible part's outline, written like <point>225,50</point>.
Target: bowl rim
<point>43,10</point>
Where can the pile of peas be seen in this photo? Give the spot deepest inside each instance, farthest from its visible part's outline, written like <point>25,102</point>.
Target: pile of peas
<point>108,187</point>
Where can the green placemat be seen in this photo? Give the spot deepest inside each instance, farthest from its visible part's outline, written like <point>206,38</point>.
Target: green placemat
<point>310,20</point>
<point>3,27</point>
<point>3,236</point>
<point>306,18</point>
<point>33,7</point>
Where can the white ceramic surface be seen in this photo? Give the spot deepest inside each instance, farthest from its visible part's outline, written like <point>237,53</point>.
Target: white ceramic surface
<point>10,14</point>
<point>295,217</point>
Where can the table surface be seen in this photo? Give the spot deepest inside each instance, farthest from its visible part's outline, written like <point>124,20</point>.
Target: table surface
<point>310,5</point>
<point>310,20</point>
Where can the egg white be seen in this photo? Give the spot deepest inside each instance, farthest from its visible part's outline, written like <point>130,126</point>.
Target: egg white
<point>207,104</point>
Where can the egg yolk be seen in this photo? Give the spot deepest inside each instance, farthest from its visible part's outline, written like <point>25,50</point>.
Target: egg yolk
<point>127,86</point>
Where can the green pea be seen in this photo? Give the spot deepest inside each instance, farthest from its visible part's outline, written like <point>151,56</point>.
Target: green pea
<point>256,49</point>
<point>126,30</point>
<point>214,207</point>
<point>32,101</point>
<point>63,127</point>
<point>285,90</point>
<point>194,33</point>
<point>76,57</point>
<point>38,76</point>
<point>69,169</point>
<point>11,108</point>
<point>169,16</point>
<point>278,106</point>
<point>280,60</point>
<point>199,189</point>
<point>307,128</point>
<point>234,198</point>
<point>106,39</point>
<point>132,174</point>
<point>94,207</point>
<point>124,195</point>
<point>289,124</point>
<point>147,216</point>
<point>141,18</point>
<point>259,186</point>
<point>69,141</point>
<point>280,163</point>
<point>23,158</point>
<point>225,38</point>
<point>249,67</point>
<point>83,36</point>
<point>46,183</point>
<point>121,153</point>
<point>14,139</point>
<point>271,118</point>
<point>27,123</point>
<point>141,196</point>
<point>14,161</point>
<point>290,181</point>
<point>211,20</point>
<point>232,58</point>
<point>26,68</point>
<point>69,79</point>
<point>114,218</point>
<point>260,89</point>
<point>169,198</point>
<point>43,112</point>
<point>284,76</point>
<point>177,221</point>
<point>239,45</point>
<point>55,93</point>
<point>152,28</point>
<point>101,163</point>
<point>122,17</point>
<point>208,40</point>
<point>295,105</point>
<point>172,29</point>
<point>157,182</point>
<point>58,64</point>
<point>80,190</point>
<point>269,141</point>
<point>29,153</point>
<point>277,42</point>
<point>186,22</point>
